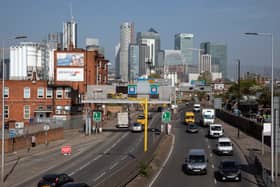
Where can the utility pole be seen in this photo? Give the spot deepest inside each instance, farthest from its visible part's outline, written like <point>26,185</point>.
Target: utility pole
<point>238,95</point>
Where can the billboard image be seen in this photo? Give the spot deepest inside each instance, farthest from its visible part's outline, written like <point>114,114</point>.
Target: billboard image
<point>70,59</point>
<point>70,74</point>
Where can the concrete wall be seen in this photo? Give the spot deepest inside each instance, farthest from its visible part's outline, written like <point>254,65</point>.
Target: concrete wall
<point>22,142</point>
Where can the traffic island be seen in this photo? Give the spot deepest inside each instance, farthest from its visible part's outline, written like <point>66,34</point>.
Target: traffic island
<point>147,172</point>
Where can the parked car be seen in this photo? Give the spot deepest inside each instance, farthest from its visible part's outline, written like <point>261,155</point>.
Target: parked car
<point>192,128</point>
<point>76,184</point>
<point>229,170</point>
<point>196,162</point>
<point>137,127</point>
<point>54,180</point>
<point>224,146</point>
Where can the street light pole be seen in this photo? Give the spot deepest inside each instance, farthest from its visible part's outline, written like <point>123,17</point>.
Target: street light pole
<point>3,107</point>
<point>272,102</point>
<point>238,96</point>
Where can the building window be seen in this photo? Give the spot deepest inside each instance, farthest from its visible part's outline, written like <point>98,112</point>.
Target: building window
<point>49,93</point>
<point>49,107</point>
<point>59,93</point>
<point>6,92</point>
<point>40,92</point>
<point>6,111</point>
<point>26,93</point>
<point>41,107</point>
<point>67,92</point>
<point>26,112</point>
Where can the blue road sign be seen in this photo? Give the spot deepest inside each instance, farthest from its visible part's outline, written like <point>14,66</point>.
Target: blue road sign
<point>131,89</point>
<point>154,89</point>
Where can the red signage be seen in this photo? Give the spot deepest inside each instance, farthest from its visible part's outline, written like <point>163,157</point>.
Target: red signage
<point>66,150</point>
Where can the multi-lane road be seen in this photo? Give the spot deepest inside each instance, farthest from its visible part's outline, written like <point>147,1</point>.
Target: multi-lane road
<point>172,175</point>
<point>97,164</point>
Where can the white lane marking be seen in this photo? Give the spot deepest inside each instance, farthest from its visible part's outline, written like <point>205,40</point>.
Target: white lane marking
<point>209,147</point>
<point>114,165</point>
<point>213,166</point>
<point>215,181</point>
<point>165,161</point>
<point>96,158</point>
<point>101,175</point>
<point>206,139</point>
<point>124,157</point>
<point>211,155</point>
<point>112,146</point>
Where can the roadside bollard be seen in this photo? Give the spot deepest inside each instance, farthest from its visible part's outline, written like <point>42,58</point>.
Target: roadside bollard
<point>161,128</point>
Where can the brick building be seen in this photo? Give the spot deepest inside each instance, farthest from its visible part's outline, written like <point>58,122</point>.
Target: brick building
<point>33,101</point>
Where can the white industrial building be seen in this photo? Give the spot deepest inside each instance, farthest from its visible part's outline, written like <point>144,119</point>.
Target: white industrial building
<point>28,57</point>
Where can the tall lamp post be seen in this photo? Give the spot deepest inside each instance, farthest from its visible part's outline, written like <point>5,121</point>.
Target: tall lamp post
<point>238,95</point>
<point>272,93</point>
<point>3,105</point>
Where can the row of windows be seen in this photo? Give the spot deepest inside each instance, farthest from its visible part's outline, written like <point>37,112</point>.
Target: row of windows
<point>41,92</point>
<point>26,111</point>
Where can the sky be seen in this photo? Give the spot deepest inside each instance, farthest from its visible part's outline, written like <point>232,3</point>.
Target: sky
<point>222,21</point>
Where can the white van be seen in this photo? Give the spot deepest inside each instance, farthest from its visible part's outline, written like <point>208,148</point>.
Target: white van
<point>224,146</point>
<point>215,130</point>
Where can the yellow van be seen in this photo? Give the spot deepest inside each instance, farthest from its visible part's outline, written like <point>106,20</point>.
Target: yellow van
<point>141,119</point>
<point>189,117</point>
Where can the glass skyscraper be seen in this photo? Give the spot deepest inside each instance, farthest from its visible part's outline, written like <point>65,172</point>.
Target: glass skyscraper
<point>133,60</point>
<point>218,52</point>
<point>184,41</point>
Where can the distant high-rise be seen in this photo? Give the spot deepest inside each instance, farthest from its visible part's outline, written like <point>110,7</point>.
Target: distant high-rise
<point>184,41</point>
<point>70,34</point>
<point>205,63</point>
<point>55,40</point>
<point>117,61</point>
<point>151,41</point>
<point>126,37</point>
<point>133,56</point>
<point>218,52</point>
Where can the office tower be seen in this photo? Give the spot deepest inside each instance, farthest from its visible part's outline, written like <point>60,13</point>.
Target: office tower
<point>218,52</point>
<point>205,63</point>
<point>55,40</point>
<point>125,39</point>
<point>117,61</point>
<point>133,56</point>
<point>92,44</point>
<point>183,42</point>
<point>70,34</point>
<point>151,41</point>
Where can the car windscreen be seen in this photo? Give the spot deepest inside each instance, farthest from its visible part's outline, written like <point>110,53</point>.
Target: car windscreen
<point>216,128</point>
<point>208,116</point>
<point>192,126</point>
<point>224,143</point>
<point>137,124</point>
<point>197,159</point>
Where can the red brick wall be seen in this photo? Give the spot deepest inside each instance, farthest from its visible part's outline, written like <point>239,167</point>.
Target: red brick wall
<point>25,141</point>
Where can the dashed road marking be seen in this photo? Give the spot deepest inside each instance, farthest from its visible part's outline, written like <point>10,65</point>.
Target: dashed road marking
<point>213,166</point>
<point>114,165</point>
<point>99,176</point>
<point>124,157</point>
<point>209,147</point>
<point>211,155</point>
<point>96,158</point>
<point>215,181</point>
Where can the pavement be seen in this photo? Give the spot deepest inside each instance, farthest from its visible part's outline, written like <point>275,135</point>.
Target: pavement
<point>251,148</point>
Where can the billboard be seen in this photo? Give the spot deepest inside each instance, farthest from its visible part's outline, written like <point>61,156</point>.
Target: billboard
<point>219,86</point>
<point>70,59</point>
<point>70,74</point>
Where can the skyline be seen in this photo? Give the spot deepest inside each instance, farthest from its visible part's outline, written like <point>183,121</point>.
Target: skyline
<point>215,21</point>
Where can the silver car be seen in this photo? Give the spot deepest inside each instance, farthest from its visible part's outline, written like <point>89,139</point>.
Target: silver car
<point>196,162</point>
<point>137,127</point>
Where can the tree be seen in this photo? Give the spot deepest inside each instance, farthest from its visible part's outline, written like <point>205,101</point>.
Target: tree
<point>207,76</point>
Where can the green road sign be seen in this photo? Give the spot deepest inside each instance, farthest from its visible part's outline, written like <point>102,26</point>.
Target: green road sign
<point>166,116</point>
<point>96,116</point>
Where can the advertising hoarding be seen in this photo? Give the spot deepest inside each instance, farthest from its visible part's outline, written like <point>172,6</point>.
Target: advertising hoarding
<point>219,86</point>
<point>70,59</point>
<point>70,74</point>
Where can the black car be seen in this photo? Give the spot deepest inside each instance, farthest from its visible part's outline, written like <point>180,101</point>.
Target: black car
<point>229,170</point>
<point>192,128</point>
<point>76,184</point>
<point>54,180</point>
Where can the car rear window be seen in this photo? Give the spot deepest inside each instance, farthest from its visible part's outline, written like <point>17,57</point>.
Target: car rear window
<point>225,144</point>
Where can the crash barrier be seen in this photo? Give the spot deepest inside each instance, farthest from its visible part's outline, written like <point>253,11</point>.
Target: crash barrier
<point>245,125</point>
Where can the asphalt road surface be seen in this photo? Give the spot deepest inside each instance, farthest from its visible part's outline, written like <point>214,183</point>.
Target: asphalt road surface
<point>172,175</point>
<point>95,165</point>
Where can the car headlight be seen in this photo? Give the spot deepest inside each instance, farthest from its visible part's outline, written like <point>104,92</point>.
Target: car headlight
<point>189,166</point>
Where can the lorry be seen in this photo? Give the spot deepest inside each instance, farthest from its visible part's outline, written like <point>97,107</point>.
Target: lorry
<point>189,117</point>
<point>122,120</point>
<point>208,116</point>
